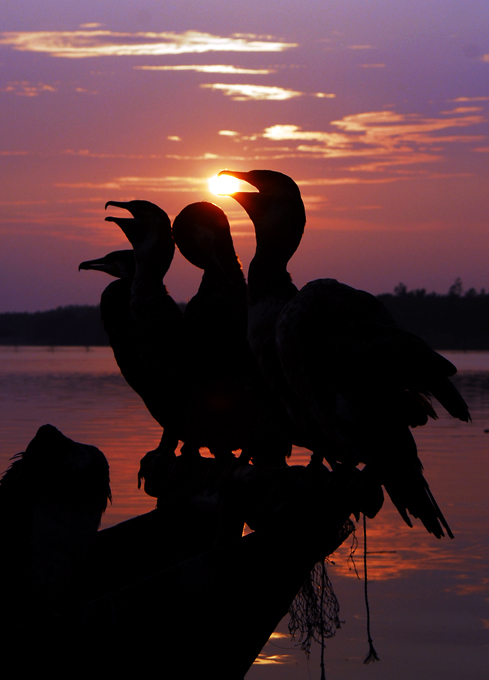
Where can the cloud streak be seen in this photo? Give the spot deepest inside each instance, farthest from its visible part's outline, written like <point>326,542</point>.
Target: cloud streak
<point>397,139</point>
<point>24,88</point>
<point>241,93</point>
<point>103,43</point>
<point>260,92</point>
<point>210,68</point>
<point>157,184</point>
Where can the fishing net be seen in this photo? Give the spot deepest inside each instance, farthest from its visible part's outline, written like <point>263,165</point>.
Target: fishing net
<point>314,614</point>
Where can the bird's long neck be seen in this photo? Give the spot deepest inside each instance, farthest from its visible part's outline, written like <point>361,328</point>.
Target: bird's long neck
<point>153,260</point>
<point>268,278</point>
<point>227,275</point>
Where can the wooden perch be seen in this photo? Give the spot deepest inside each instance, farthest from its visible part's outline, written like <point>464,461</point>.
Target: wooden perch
<point>181,587</point>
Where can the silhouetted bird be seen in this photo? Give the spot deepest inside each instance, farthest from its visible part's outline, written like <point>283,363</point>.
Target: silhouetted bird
<point>352,381</point>
<point>51,502</point>
<point>156,319</point>
<point>117,321</point>
<point>215,322</point>
<point>227,396</point>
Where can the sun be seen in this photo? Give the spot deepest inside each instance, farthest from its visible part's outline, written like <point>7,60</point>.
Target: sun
<point>223,185</point>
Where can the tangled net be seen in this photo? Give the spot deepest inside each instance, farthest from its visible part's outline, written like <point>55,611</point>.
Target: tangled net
<point>314,614</point>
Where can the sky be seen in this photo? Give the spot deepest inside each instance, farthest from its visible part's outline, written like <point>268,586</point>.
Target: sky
<point>378,109</point>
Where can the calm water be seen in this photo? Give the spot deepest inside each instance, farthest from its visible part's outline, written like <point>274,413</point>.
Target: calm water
<point>429,598</point>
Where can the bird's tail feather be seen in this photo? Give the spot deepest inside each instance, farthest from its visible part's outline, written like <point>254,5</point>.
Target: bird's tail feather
<point>451,399</point>
<point>401,472</point>
<point>411,494</point>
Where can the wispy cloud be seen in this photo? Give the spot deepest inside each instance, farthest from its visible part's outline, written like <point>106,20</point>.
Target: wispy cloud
<point>103,43</point>
<point>157,184</point>
<point>210,68</point>
<point>253,92</point>
<point>372,65</point>
<point>470,99</point>
<point>463,109</point>
<point>261,92</point>
<point>325,181</point>
<point>395,139</point>
<point>24,88</point>
<point>86,153</point>
<point>56,201</point>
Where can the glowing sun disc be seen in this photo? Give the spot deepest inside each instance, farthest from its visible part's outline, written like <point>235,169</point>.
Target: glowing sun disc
<point>223,185</point>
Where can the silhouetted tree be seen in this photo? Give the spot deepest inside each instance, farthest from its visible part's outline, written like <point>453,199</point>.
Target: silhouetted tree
<point>456,288</point>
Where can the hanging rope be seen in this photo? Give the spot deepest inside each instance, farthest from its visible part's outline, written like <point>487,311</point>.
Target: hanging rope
<point>323,644</point>
<point>372,654</point>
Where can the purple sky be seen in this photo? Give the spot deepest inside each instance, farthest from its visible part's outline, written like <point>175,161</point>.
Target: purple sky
<point>379,111</point>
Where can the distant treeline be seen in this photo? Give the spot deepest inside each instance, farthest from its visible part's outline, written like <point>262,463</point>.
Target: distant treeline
<point>73,325</point>
<point>456,320</point>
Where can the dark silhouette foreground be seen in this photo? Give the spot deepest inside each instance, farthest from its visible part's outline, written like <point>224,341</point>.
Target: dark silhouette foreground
<point>179,587</point>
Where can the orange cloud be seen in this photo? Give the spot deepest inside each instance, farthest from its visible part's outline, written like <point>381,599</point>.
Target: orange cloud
<point>399,139</point>
<point>464,109</point>
<point>24,88</point>
<point>471,99</point>
<point>209,68</point>
<point>253,92</point>
<point>102,43</point>
<point>180,184</point>
<point>259,92</point>
<point>14,153</point>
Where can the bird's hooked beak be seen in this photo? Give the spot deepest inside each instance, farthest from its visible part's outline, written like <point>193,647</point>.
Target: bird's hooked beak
<point>276,209</point>
<point>99,265</point>
<point>251,201</point>
<point>132,227</point>
<point>243,176</point>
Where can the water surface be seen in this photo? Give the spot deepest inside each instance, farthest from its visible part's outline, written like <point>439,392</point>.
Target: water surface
<point>429,598</point>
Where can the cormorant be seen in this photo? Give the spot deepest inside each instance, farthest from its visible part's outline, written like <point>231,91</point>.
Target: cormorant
<point>52,498</point>
<point>352,380</point>
<point>227,396</point>
<point>118,324</point>
<point>156,319</point>
<point>215,322</point>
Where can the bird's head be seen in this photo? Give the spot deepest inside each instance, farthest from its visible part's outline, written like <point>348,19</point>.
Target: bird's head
<point>66,471</point>
<point>148,231</point>
<point>202,234</point>
<point>119,264</point>
<point>276,209</point>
